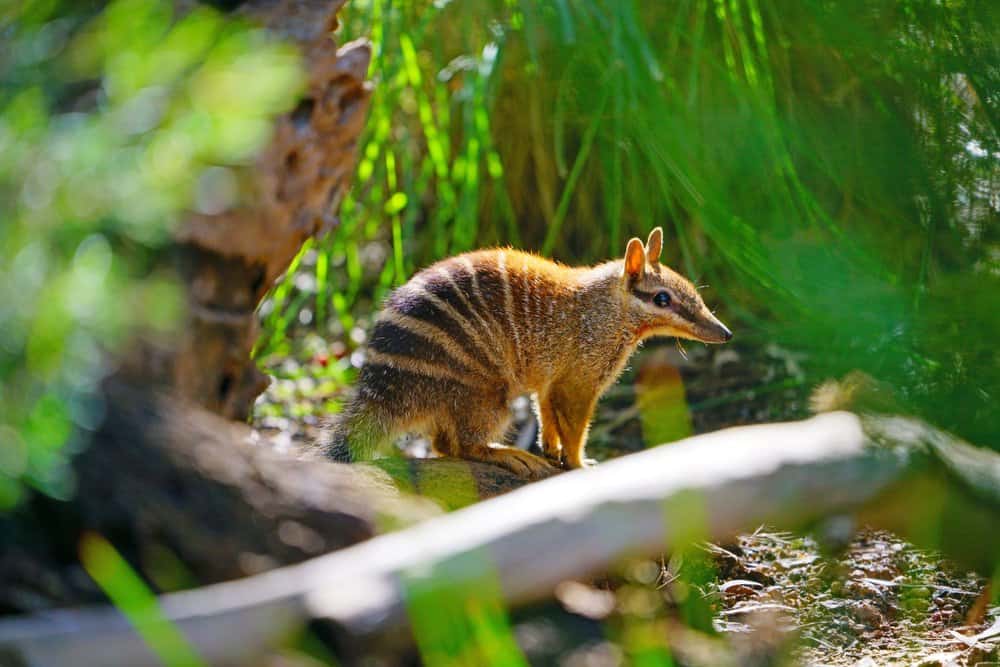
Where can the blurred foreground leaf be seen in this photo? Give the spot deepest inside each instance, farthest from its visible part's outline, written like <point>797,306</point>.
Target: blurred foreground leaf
<point>110,120</point>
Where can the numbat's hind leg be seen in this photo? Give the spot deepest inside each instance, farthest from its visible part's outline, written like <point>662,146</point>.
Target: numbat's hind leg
<point>517,461</point>
<point>474,428</point>
<point>482,419</point>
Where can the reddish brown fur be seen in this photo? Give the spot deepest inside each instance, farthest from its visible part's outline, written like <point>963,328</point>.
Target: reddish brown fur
<point>466,335</point>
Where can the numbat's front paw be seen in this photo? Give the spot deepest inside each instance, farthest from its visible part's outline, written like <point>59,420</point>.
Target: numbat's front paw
<point>556,461</point>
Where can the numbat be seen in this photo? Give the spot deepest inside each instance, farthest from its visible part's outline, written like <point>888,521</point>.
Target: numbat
<point>463,337</point>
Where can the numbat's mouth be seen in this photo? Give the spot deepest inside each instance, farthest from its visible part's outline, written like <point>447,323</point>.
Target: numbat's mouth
<point>708,331</point>
<point>714,331</point>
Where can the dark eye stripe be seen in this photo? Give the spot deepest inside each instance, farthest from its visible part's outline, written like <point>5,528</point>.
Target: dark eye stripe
<point>648,296</point>
<point>679,306</point>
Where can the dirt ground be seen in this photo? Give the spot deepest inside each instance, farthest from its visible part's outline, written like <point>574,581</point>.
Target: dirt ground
<point>771,598</point>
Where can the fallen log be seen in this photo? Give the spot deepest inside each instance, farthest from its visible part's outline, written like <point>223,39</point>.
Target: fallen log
<point>224,502</point>
<point>163,474</point>
<point>707,487</point>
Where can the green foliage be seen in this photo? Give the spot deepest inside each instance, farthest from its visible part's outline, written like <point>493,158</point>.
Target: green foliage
<point>427,167</point>
<point>461,619</point>
<point>830,168</point>
<point>133,599</point>
<point>112,122</point>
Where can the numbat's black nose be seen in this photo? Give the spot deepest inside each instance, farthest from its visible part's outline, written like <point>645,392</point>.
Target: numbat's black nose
<point>713,331</point>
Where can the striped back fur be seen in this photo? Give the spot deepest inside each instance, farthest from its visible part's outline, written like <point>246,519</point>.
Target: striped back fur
<point>488,318</point>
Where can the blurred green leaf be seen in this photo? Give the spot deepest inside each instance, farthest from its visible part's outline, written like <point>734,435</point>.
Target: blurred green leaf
<point>459,618</point>
<point>396,203</point>
<point>108,118</point>
<point>134,599</point>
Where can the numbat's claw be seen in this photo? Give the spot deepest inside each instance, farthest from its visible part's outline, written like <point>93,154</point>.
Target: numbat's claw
<point>519,462</point>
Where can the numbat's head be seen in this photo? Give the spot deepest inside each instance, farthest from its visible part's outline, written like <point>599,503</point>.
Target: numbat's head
<point>660,301</point>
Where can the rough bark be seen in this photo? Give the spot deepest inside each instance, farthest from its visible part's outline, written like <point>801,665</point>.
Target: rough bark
<point>229,260</point>
<point>781,474</point>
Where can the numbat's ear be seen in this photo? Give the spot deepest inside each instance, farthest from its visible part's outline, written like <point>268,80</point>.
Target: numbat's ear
<point>635,259</point>
<point>654,246</point>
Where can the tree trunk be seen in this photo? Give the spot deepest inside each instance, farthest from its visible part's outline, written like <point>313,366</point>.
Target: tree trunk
<point>230,260</point>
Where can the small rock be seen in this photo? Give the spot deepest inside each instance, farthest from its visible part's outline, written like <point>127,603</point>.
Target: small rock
<point>868,614</point>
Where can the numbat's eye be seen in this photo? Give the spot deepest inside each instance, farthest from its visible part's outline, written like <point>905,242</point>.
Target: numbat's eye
<point>662,299</point>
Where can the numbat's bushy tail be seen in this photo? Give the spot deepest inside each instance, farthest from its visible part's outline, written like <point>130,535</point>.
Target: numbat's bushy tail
<point>355,434</point>
<point>463,337</point>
